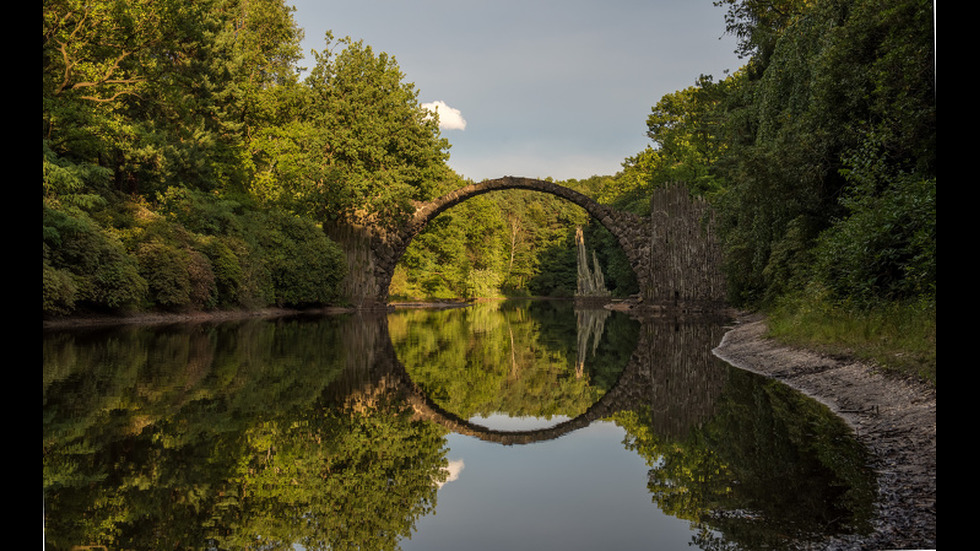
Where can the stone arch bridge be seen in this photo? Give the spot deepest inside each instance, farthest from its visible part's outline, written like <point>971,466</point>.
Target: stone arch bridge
<point>673,252</point>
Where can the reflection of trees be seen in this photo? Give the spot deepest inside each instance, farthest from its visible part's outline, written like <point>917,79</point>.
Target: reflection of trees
<point>759,463</point>
<point>337,480</point>
<point>166,440</point>
<point>262,435</point>
<point>499,357</point>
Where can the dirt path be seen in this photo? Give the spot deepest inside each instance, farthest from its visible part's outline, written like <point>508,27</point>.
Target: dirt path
<point>894,418</point>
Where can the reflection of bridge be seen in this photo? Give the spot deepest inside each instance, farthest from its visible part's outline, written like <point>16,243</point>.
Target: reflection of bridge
<point>671,370</point>
<point>673,257</point>
<point>628,388</point>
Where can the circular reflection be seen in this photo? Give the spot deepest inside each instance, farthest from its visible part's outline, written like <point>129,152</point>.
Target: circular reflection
<point>492,369</point>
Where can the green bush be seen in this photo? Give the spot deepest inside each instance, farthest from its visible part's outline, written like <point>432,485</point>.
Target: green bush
<point>166,275</point>
<point>85,266</point>
<point>58,290</point>
<point>117,282</point>
<point>306,267</point>
<point>191,251</point>
<point>178,273</point>
<point>253,259</point>
<point>483,284</point>
<point>886,248</point>
<point>202,213</point>
<point>229,275</point>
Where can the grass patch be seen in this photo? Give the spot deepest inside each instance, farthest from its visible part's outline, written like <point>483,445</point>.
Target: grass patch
<point>898,337</point>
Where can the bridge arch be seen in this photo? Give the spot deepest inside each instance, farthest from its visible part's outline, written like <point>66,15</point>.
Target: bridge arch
<point>627,228</point>
<point>673,252</point>
<point>611,402</point>
<point>607,216</point>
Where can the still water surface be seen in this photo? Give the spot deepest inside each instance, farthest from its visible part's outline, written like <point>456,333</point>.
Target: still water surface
<point>507,425</point>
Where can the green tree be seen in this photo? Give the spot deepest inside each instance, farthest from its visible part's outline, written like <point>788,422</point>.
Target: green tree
<point>839,75</point>
<point>884,248</point>
<point>130,86</point>
<point>168,125</point>
<point>688,132</point>
<point>690,136</point>
<point>758,24</point>
<point>360,147</point>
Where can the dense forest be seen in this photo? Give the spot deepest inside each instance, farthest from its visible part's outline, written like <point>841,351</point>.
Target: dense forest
<point>190,163</point>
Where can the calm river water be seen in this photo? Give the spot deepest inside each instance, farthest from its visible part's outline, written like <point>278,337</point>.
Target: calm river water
<point>504,425</point>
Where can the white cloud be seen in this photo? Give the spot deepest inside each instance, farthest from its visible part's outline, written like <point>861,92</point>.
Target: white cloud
<point>449,118</point>
<point>454,468</point>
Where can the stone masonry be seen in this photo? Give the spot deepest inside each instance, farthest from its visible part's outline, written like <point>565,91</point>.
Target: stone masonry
<point>671,252</point>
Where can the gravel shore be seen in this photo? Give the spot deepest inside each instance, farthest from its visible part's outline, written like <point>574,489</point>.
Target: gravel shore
<point>895,418</point>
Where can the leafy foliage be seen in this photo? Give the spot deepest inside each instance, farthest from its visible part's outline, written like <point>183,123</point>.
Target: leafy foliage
<point>856,107</point>
<point>305,266</point>
<point>81,264</point>
<point>360,147</point>
<point>165,438</point>
<point>186,166</point>
<point>819,154</point>
<point>885,248</point>
<point>507,243</point>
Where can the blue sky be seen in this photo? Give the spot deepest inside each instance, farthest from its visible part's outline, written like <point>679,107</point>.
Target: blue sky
<point>546,88</point>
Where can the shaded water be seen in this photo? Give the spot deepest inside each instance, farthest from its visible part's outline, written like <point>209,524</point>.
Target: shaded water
<point>517,425</point>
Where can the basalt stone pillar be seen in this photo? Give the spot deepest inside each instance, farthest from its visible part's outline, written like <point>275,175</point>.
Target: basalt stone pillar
<point>685,256</point>
<point>362,287</point>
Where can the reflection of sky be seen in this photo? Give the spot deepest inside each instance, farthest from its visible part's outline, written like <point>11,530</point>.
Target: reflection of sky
<point>581,491</point>
<point>502,421</point>
<point>454,468</point>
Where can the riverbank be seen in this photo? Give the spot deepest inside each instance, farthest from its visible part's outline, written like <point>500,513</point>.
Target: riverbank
<point>895,418</point>
<point>148,318</point>
<point>145,318</point>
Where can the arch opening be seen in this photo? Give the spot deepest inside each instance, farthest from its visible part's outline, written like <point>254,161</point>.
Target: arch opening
<point>613,232</point>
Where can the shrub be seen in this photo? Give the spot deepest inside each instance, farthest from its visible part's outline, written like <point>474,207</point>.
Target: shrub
<point>305,266</point>
<point>230,277</point>
<point>58,290</point>
<point>85,266</point>
<point>200,212</point>
<point>163,268</point>
<point>177,278</point>
<point>134,256</point>
<point>886,248</point>
<point>483,284</point>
